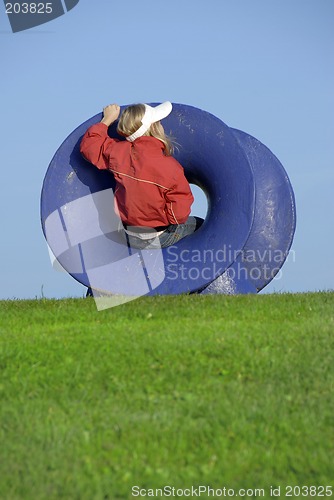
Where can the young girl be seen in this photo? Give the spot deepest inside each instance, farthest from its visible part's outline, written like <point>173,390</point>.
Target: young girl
<point>152,195</point>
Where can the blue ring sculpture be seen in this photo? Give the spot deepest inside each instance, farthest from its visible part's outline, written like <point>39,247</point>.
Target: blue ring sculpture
<point>251,215</point>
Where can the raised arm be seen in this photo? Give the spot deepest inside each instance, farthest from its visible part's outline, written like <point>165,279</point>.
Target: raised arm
<point>96,141</point>
<point>110,114</point>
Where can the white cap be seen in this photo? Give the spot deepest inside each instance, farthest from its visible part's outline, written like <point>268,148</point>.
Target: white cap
<point>151,115</point>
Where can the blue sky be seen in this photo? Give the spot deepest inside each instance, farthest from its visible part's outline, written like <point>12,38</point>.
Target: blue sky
<point>263,66</point>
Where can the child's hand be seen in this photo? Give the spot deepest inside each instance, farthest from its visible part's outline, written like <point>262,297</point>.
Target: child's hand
<point>110,114</point>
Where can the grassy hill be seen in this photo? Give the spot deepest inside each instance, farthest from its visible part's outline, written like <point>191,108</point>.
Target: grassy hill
<point>187,391</point>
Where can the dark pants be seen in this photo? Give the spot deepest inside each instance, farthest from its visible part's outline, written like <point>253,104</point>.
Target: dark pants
<point>170,236</point>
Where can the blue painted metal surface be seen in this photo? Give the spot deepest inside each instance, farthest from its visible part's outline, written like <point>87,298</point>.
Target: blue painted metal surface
<point>274,223</point>
<point>251,215</point>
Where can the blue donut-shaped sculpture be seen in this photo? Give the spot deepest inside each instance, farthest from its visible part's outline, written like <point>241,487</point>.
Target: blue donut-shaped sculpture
<point>240,247</point>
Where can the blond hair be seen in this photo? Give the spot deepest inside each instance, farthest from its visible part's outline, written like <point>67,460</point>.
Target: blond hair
<point>130,121</point>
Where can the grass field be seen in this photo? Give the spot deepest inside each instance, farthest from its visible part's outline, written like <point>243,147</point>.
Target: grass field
<point>221,391</point>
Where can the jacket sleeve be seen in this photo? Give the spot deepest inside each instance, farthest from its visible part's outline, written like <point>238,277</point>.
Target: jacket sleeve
<point>95,145</point>
<point>179,200</point>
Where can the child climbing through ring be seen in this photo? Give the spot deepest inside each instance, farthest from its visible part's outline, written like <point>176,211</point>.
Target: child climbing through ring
<point>152,195</point>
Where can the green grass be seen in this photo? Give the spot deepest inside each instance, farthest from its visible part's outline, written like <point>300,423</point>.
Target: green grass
<point>180,391</point>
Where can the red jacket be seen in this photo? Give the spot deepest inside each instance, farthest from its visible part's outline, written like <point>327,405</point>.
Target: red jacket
<point>151,189</point>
